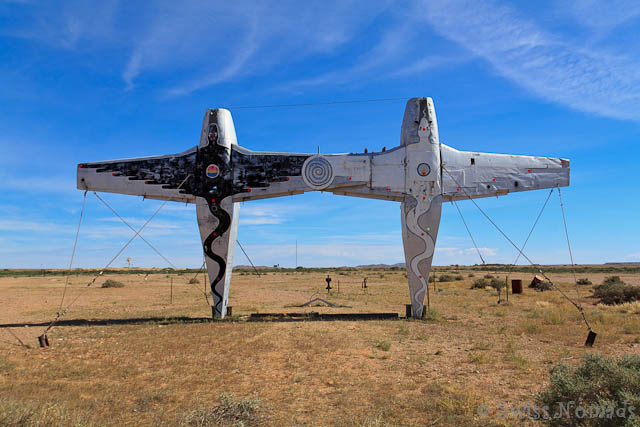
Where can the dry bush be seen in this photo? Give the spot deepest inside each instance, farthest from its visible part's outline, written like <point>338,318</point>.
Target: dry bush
<point>228,412</point>
<point>479,284</point>
<point>193,281</point>
<point>110,283</point>
<point>614,291</point>
<point>543,286</point>
<point>14,413</point>
<point>606,388</point>
<point>584,282</point>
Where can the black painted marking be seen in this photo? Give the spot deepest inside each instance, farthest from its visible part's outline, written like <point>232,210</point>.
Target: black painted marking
<point>239,172</point>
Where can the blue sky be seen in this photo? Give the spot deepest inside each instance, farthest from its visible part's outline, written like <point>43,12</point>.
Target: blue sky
<point>88,81</point>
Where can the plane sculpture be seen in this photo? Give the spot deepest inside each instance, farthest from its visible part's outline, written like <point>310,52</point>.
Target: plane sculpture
<point>421,173</point>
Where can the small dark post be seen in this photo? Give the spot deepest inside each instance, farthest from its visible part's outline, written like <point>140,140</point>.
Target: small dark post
<point>506,287</point>
<point>407,311</point>
<point>229,310</point>
<point>364,283</point>
<point>43,340</point>
<point>591,338</point>
<point>328,280</point>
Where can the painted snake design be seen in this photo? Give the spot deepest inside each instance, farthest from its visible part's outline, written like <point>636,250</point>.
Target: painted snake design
<point>224,221</point>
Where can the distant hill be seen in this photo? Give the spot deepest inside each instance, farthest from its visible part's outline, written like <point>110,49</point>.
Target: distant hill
<point>398,264</point>
<point>264,267</point>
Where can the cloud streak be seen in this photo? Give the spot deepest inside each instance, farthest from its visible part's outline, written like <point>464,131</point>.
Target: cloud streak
<point>585,78</point>
<point>228,40</point>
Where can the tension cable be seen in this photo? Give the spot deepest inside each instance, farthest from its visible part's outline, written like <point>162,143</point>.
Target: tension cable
<point>147,242</point>
<point>206,295</point>
<point>591,337</point>
<point>43,340</point>
<point>245,254</point>
<point>530,232</point>
<point>312,104</point>
<point>133,229</point>
<point>468,231</point>
<point>75,245</point>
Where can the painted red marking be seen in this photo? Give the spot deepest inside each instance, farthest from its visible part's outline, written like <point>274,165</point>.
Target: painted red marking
<point>248,190</point>
<point>213,200</point>
<point>529,170</point>
<point>217,278</point>
<point>146,182</point>
<point>423,129</point>
<point>113,174</point>
<point>387,188</point>
<point>349,178</point>
<point>215,234</point>
<point>79,166</point>
<point>458,189</point>
<point>422,234</point>
<point>494,180</point>
<point>419,277</point>
<point>424,198</point>
<point>287,179</point>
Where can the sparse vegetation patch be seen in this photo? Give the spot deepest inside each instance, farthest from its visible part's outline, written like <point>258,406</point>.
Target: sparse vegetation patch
<point>613,291</point>
<point>479,284</point>
<point>228,412</point>
<point>110,283</point>
<point>600,392</point>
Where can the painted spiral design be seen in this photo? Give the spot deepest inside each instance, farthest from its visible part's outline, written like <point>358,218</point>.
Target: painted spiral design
<point>317,172</point>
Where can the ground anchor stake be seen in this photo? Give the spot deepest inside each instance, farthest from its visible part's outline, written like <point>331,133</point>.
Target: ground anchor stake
<point>43,340</point>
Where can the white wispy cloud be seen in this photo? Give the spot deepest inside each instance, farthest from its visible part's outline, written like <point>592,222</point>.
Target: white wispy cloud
<point>602,16</point>
<point>67,25</point>
<point>228,40</point>
<point>586,78</point>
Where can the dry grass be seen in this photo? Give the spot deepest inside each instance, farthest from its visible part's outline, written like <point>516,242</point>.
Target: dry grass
<point>469,351</point>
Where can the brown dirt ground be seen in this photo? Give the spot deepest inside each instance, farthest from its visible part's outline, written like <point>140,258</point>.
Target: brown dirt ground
<point>400,372</point>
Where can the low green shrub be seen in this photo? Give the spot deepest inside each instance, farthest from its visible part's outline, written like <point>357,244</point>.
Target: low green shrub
<point>543,286</point>
<point>614,291</point>
<point>110,283</point>
<point>584,282</point>
<point>445,278</point>
<point>497,284</point>
<point>602,391</point>
<point>479,284</point>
